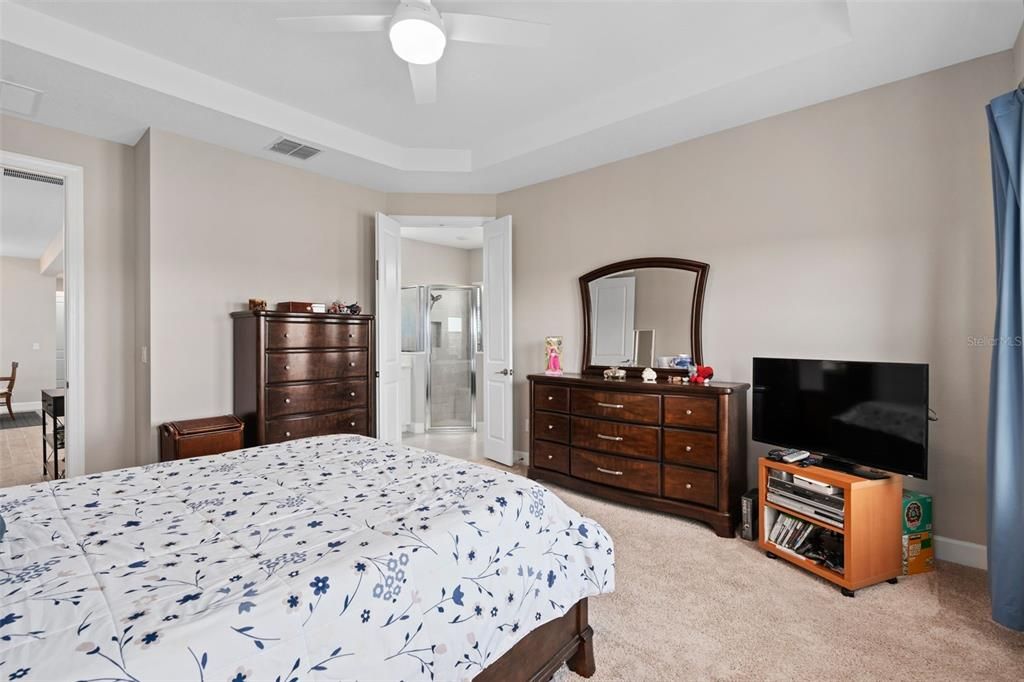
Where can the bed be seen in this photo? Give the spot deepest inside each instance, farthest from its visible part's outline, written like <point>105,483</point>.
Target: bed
<point>327,558</point>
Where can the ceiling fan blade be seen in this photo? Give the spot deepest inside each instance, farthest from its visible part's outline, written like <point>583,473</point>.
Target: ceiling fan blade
<point>343,23</point>
<point>477,28</point>
<point>424,83</point>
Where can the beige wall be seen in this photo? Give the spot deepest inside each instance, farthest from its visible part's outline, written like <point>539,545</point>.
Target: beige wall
<point>109,280</point>
<point>476,265</point>
<point>28,315</point>
<point>441,204</point>
<point>225,227</point>
<point>859,228</point>
<point>1018,58</point>
<point>424,263</point>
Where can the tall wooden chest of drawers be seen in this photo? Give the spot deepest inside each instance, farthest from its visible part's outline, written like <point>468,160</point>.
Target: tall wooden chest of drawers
<point>673,448</point>
<point>303,374</point>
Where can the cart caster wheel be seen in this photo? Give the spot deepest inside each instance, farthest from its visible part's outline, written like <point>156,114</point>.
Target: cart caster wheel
<point>892,581</point>
<point>847,593</point>
<point>770,555</point>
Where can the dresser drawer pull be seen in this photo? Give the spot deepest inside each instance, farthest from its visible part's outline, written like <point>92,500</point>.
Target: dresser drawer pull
<point>614,438</point>
<point>287,434</point>
<point>286,335</point>
<point>551,397</point>
<point>614,406</point>
<point>352,394</point>
<point>287,366</point>
<point>287,401</point>
<point>609,471</point>
<point>689,412</point>
<point>551,427</point>
<point>351,364</point>
<point>688,486</point>
<point>551,456</point>
<point>351,423</point>
<point>689,448</point>
<point>351,336</point>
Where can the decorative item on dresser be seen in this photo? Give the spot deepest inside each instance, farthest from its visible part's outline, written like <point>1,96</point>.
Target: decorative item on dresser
<point>303,374</point>
<point>668,446</point>
<point>200,437</point>
<point>673,448</point>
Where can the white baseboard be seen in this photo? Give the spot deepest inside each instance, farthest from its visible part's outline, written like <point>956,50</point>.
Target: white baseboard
<point>27,407</point>
<point>961,552</point>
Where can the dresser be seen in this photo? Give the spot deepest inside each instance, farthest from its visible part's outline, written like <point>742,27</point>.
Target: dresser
<point>303,374</point>
<point>672,448</point>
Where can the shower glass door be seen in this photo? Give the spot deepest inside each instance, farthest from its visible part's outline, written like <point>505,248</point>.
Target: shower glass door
<point>451,345</point>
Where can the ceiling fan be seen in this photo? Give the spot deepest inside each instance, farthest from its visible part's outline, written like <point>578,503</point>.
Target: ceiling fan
<point>419,34</point>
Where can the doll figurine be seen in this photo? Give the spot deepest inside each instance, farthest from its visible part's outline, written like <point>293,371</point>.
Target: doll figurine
<point>553,351</point>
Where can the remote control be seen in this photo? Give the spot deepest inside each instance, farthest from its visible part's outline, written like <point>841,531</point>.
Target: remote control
<point>796,456</point>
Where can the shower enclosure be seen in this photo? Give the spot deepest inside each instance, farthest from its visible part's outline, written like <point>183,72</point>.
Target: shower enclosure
<point>441,324</point>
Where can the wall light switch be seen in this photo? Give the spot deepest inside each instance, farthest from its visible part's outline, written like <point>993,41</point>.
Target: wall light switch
<point>144,355</point>
<point>35,346</point>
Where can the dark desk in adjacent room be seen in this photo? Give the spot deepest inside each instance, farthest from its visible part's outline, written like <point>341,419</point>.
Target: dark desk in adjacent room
<point>53,407</point>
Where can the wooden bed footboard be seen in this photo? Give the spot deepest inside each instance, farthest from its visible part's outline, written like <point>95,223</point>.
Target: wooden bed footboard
<point>539,655</point>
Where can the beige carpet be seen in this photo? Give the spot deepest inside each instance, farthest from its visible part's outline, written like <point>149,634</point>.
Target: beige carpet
<point>690,605</point>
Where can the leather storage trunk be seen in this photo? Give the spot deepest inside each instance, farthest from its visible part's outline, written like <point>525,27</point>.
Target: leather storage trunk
<point>199,437</point>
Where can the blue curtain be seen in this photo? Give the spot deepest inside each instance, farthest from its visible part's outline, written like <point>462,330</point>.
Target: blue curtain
<point>1006,398</point>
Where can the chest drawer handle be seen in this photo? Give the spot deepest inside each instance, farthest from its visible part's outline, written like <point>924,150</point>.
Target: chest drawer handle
<point>688,486</point>
<point>351,364</point>
<point>614,406</point>
<point>286,335</point>
<point>351,336</point>
<point>609,471</point>
<point>551,427</point>
<point>689,448</point>
<point>614,438</point>
<point>352,394</point>
<point>551,397</point>
<point>689,412</point>
<point>551,456</point>
<point>287,434</point>
<point>287,401</point>
<point>287,366</point>
<point>351,423</point>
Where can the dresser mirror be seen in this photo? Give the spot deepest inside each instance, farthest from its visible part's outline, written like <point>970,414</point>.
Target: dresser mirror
<point>644,312</point>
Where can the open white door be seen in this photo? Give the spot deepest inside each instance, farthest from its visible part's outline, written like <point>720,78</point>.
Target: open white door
<point>389,335</point>
<point>613,301</point>
<point>499,427</point>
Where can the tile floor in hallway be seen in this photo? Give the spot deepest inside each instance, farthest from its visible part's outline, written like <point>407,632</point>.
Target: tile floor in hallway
<point>21,456</point>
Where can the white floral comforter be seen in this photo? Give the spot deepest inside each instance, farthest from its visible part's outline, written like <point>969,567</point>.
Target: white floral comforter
<point>328,558</point>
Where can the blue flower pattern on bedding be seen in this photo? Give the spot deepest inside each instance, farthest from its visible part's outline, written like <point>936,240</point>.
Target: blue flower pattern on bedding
<point>327,558</point>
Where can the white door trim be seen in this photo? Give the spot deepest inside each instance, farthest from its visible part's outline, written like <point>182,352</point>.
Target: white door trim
<point>74,296</point>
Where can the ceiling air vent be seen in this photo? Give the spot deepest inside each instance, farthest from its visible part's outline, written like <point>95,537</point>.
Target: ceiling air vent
<point>35,177</point>
<point>294,149</point>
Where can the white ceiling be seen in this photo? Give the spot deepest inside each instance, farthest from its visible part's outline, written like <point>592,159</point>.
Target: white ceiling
<point>617,78</point>
<point>31,216</point>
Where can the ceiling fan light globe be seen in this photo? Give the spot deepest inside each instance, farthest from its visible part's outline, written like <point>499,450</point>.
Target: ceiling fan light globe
<point>417,41</point>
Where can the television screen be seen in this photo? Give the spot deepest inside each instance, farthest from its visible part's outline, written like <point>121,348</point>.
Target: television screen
<point>873,414</point>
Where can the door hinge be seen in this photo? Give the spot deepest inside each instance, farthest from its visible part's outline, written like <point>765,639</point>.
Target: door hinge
<point>376,375</point>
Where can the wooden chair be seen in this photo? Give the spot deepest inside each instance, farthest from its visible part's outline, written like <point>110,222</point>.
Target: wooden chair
<point>7,394</point>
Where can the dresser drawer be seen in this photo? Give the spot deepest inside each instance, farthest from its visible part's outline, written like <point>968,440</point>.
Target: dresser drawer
<point>551,426</point>
<point>701,413</point>
<point>626,439</point>
<point>633,407</point>
<point>692,448</point>
<point>310,366</point>
<point>352,421</point>
<point>550,398</point>
<point>299,398</point>
<point>551,456</point>
<point>284,335</point>
<point>691,485</point>
<point>620,472</point>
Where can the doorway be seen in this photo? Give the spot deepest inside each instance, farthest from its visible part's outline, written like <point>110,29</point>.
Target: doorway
<point>437,381</point>
<point>41,300</point>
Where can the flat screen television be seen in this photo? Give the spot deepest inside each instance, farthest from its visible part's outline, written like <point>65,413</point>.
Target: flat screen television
<point>871,414</point>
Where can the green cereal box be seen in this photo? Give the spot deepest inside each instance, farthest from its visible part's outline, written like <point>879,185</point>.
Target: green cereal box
<point>917,512</point>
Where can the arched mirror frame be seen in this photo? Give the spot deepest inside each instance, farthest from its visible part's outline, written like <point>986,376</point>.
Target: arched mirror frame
<point>696,309</point>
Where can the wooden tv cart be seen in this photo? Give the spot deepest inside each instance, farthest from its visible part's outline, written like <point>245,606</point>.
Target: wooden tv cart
<point>871,532</point>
